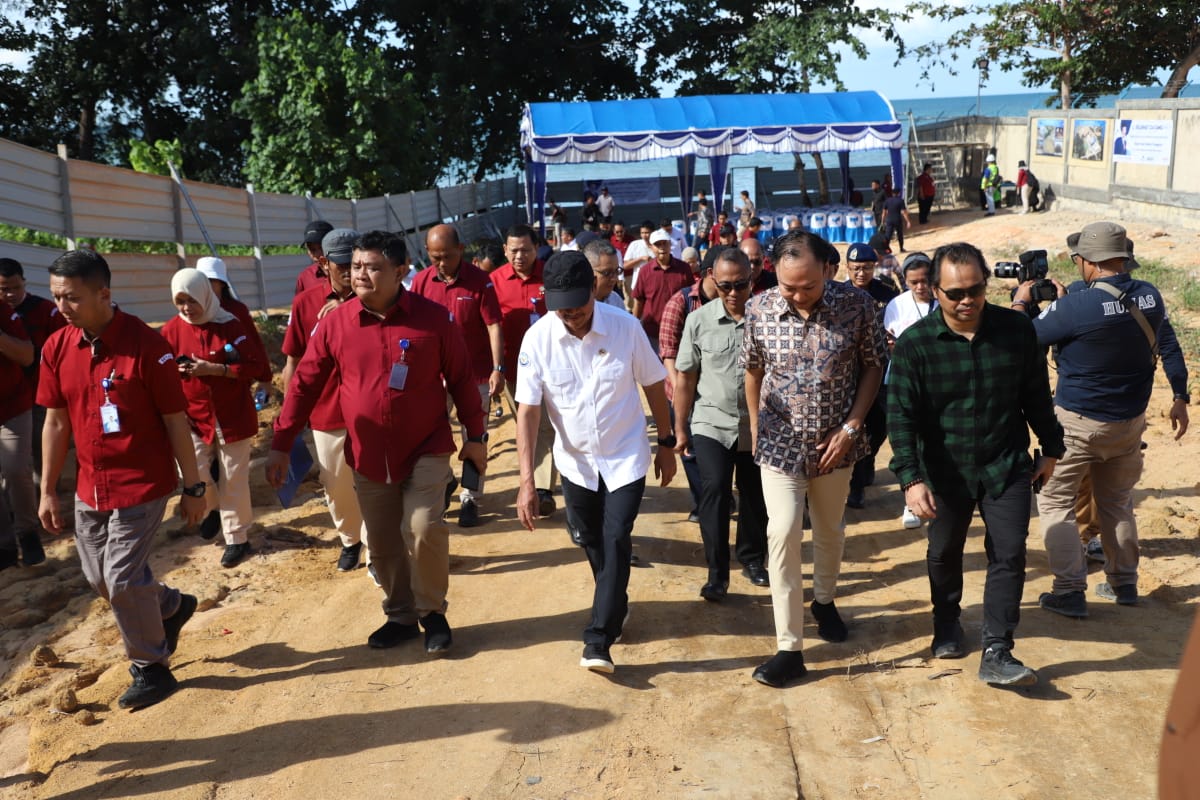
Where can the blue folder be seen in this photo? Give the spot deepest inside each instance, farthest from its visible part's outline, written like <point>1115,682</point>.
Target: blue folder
<point>300,463</point>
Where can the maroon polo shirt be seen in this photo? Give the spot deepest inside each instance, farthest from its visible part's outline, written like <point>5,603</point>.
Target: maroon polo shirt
<point>388,427</point>
<point>519,299</point>
<point>471,301</point>
<point>217,400</point>
<point>253,340</point>
<point>655,285</point>
<point>326,415</point>
<point>136,464</point>
<point>16,391</point>
<point>310,276</point>
<point>41,318</point>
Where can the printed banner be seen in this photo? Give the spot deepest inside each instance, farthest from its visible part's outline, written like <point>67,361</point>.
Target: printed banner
<point>628,191</point>
<point>1087,139</point>
<point>1050,134</point>
<point>1143,141</point>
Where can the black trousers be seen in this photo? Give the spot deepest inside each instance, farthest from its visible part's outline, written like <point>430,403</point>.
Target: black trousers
<point>894,227</point>
<point>876,425</point>
<point>604,522</point>
<point>924,204</point>
<point>717,465</point>
<point>1006,527</point>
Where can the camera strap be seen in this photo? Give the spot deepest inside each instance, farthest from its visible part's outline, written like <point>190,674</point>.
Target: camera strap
<point>1132,307</point>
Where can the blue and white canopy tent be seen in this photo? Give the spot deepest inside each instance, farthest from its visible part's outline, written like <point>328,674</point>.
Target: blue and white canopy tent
<point>711,126</point>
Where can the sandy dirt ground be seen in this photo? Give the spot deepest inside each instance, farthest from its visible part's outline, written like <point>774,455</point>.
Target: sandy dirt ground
<point>281,698</point>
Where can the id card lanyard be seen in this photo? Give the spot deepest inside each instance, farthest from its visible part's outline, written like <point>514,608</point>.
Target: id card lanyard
<point>110,420</point>
<point>400,369</point>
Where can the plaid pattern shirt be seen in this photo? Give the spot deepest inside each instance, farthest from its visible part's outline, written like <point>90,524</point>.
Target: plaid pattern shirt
<point>811,369</point>
<point>675,314</point>
<point>959,410</point>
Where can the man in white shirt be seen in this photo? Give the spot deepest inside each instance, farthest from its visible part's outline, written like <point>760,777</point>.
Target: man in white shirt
<point>606,203</point>
<point>678,240</point>
<point>638,253</point>
<point>901,312</point>
<point>585,361</point>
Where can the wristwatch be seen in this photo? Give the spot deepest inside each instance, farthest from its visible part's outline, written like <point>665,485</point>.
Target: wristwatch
<point>1187,398</point>
<point>668,441</point>
<point>850,430</point>
<point>478,439</point>
<point>498,368</point>
<point>197,490</point>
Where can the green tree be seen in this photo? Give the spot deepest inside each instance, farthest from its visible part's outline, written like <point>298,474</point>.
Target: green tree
<point>330,118</point>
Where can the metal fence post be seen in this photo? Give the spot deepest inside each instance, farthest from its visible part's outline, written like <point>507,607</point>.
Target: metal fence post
<point>64,182</point>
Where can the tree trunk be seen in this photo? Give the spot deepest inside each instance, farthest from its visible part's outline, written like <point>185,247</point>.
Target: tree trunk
<point>1178,79</point>
<point>1064,81</point>
<point>800,180</point>
<point>822,180</point>
<point>87,131</point>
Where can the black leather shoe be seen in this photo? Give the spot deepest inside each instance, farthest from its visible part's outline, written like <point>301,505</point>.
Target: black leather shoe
<point>391,634</point>
<point>829,622</point>
<point>211,525</point>
<point>546,504</point>
<point>234,553</point>
<point>781,669</point>
<point>756,573</point>
<point>855,499</point>
<point>173,624</point>
<point>437,632</point>
<point>32,552</point>
<point>714,591</point>
<point>151,684</point>
<point>948,640</point>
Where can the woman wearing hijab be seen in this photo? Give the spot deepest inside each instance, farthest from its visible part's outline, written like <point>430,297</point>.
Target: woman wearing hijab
<point>218,278</point>
<point>218,364</point>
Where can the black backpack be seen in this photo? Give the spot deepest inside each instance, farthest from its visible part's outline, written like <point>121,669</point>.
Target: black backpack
<point>1032,180</point>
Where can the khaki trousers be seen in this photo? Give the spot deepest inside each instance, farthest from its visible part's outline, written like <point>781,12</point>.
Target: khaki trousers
<point>407,539</point>
<point>544,473</point>
<point>231,495</point>
<point>338,480</point>
<point>1111,451</point>
<point>784,496</point>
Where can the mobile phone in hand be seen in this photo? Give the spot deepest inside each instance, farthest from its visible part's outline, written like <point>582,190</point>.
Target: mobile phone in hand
<point>1037,485</point>
<point>470,476</point>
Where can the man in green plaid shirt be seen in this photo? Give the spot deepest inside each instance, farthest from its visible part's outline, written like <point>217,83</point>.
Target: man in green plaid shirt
<point>967,383</point>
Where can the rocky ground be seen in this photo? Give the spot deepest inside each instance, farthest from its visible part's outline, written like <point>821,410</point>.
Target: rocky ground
<point>281,698</point>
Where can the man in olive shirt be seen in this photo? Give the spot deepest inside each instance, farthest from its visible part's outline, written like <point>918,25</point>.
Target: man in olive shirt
<point>967,383</point>
<point>710,389</point>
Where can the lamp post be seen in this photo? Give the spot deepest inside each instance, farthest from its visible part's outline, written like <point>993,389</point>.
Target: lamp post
<point>982,64</point>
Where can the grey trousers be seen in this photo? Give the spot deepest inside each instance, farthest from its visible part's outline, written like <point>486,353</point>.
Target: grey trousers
<point>114,552</point>
<point>20,497</point>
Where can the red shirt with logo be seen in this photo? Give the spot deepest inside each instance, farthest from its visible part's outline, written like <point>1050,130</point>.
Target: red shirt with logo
<point>326,414</point>
<point>396,372</point>
<point>472,304</point>
<point>520,299</point>
<point>253,340</point>
<point>16,391</point>
<point>217,400</point>
<point>41,318</point>
<point>135,464</point>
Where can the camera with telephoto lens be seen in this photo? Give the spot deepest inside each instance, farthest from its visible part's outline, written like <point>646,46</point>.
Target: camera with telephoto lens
<point>1032,266</point>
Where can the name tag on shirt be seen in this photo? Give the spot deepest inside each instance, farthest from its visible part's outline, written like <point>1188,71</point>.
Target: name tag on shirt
<point>533,317</point>
<point>398,377</point>
<point>110,421</point>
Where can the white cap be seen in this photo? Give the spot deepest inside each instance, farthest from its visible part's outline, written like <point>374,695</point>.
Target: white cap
<point>991,158</point>
<point>214,268</point>
<point>659,235</point>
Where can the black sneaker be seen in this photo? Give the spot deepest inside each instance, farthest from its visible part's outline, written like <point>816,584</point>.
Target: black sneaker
<point>1069,604</point>
<point>211,525</point>
<point>1126,595</point>
<point>151,684</point>
<point>32,552</point>
<point>948,640</point>
<point>391,634</point>
<point>781,669</point>
<point>173,624</point>
<point>596,658</point>
<point>999,667</point>
<point>855,499</point>
<point>546,504</point>
<point>8,558</point>
<point>234,553</point>
<point>437,632</point>
<point>348,560</point>
<point>829,622</point>
<point>468,514</point>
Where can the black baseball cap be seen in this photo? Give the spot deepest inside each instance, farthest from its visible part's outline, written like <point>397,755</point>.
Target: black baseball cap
<point>316,231</point>
<point>567,279</point>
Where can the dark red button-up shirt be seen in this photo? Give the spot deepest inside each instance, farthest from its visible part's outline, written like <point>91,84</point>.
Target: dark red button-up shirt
<point>326,415</point>
<point>253,340</point>
<point>217,400</point>
<point>16,391</point>
<point>471,301</point>
<point>655,285</point>
<point>388,428</point>
<point>41,318</point>
<point>136,464</point>
<point>519,299</point>
<point>312,275</point>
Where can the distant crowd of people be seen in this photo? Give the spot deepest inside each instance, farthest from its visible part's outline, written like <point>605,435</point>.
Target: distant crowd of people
<point>760,371</point>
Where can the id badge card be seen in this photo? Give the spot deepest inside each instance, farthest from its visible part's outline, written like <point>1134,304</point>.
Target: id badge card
<point>533,317</point>
<point>398,377</point>
<point>110,420</point>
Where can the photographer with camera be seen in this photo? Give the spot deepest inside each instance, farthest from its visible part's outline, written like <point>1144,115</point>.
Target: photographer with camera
<point>1032,268</point>
<point>1107,336</point>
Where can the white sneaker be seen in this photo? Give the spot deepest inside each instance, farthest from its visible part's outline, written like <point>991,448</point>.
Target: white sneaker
<point>910,519</point>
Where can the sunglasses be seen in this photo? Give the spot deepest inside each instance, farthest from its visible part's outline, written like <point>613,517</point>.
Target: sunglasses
<point>736,286</point>
<point>955,295</point>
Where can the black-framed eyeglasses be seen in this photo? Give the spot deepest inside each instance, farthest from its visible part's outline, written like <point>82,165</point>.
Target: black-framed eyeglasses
<point>861,268</point>
<point>955,295</point>
<point>735,286</point>
<point>608,273</point>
